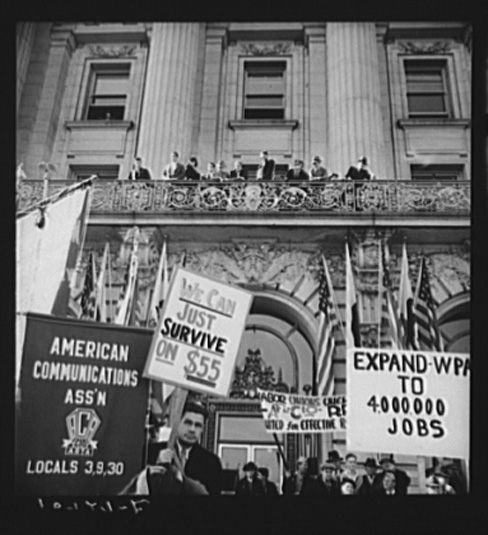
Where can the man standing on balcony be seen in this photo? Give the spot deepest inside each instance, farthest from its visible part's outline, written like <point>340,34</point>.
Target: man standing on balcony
<point>138,172</point>
<point>360,171</point>
<point>238,172</point>
<point>266,168</point>
<point>175,170</point>
<point>296,173</point>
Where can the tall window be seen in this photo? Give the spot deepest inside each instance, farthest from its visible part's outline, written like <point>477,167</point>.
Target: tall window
<point>107,91</point>
<point>427,88</point>
<point>437,172</point>
<point>264,89</point>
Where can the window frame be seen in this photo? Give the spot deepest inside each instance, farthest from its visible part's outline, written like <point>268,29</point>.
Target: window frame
<point>441,63</point>
<point>75,171</point>
<point>457,172</point>
<point>96,66</point>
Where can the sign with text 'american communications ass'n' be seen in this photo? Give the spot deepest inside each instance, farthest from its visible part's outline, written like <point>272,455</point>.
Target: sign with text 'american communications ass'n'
<point>200,328</point>
<point>408,402</point>
<point>80,426</point>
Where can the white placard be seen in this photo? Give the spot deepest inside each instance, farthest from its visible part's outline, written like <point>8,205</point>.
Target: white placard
<point>196,342</point>
<point>294,413</point>
<point>408,402</point>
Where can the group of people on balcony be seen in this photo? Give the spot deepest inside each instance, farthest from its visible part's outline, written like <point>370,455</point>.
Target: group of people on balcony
<point>217,171</point>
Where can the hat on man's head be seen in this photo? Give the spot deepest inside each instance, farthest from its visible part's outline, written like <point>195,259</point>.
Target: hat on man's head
<point>317,159</point>
<point>249,467</point>
<point>298,162</point>
<point>387,459</point>
<point>371,462</point>
<point>327,465</point>
<point>334,456</point>
<point>363,160</point>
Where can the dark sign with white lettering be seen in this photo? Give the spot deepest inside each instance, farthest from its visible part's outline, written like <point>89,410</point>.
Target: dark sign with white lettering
<point>81,419</point>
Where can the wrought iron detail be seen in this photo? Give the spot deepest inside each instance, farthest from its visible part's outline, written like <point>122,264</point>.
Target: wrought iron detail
<point>265,50</point>
<point>341,197</point>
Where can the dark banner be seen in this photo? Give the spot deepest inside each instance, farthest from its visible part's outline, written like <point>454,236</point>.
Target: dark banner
<point>81,420</point>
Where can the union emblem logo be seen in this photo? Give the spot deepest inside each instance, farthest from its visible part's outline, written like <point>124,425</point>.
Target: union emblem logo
<point>82,424</point>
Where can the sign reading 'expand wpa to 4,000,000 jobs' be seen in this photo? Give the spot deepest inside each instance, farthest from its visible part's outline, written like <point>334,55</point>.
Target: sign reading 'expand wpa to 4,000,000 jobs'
<point>200,328</point>
<point>408,402</point>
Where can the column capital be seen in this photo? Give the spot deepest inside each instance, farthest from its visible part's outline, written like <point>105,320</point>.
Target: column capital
<point>217,34</point>
<point>63,38</point>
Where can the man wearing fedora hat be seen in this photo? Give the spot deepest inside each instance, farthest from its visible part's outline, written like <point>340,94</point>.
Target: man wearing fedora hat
<point>325,483</point>
<point>296,173</point>
<point>336,460</point>
<point>401,477</point>
<point>360,171</point>
<point>250,484</point>
<point>367,482</point>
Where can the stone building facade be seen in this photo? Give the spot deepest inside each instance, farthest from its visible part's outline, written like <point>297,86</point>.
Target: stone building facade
<point>90,97</point>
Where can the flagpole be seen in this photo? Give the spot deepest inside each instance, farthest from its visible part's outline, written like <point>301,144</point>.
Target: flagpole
<point>380,292</point>
<point>109,267</point>
<point>57,196</point>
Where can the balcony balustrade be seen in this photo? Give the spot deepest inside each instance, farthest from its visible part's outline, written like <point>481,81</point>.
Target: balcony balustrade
<point>276,197</point>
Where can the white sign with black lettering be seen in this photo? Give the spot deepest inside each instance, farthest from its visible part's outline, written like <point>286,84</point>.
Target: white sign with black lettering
<point>196,343</point>
<point>408,402</point>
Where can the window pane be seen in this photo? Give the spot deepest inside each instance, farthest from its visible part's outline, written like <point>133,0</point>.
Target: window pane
<point>264,85</point>
<point>264,102</point>
<point>110,84</point>
<point>106,113</point>
<point>263,113</point>
<point>426,103</point>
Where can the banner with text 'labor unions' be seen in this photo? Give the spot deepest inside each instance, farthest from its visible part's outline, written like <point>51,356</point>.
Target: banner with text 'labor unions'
<point>292,413</point>
<point>81,419</point>
<point>196,343</point>
<point>408,402</point>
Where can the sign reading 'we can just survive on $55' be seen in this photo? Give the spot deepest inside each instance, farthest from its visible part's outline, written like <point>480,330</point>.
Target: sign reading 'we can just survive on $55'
<point>196,342</point>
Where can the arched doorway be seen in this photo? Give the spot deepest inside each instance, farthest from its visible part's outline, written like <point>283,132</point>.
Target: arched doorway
<point>276,353</point>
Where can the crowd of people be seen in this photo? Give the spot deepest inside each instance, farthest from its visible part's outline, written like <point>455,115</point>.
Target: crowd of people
<point>188,468</point>
<point>218,171</point>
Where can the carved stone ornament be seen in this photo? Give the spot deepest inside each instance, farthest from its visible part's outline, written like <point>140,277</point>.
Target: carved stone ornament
<point>260,262</point>
<point>105,51</point>
<point>255,374</point>
<point>265,50</point>
<point>439,47</point>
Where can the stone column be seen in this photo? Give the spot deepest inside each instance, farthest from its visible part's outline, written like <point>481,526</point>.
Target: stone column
<point>45,126</point>
<point>317,94</point>
<point>211,97</point>
<point>25,33</point>
<point>355,126</point>
<point>167,110</point>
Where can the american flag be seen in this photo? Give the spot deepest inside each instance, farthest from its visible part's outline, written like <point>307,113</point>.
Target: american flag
<point>353,336</point>
<point>88,295</point>
<point>427,332</point>
<point>405,304</point>
<point>126,302</point>
<point>390,325</point>
<point>328,324</point>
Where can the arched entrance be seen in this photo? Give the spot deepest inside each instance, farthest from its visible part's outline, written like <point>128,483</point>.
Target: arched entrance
<point>276,353</point>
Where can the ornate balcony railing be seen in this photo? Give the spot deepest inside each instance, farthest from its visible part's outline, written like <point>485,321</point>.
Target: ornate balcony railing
<point>343,197</point>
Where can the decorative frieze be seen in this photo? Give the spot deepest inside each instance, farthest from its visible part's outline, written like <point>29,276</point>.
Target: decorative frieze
<point>265,50</point>
<point>438,47</point>
<point>112,51</point>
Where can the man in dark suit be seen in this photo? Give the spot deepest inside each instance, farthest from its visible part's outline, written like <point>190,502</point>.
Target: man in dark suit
<point>138,172</point>
<point>250,484</point>
<point>188,468</point>
<point>296,173</point>
<point>388,485</point>
<point>269,487</point>
<point>360,171</point>
<point>238,172</point>
<point>191,172</point>
<point>175,170</point>
<point>266,168</point>
<point>402,479</point>
<point>326,484</point>
<point>367,482</point>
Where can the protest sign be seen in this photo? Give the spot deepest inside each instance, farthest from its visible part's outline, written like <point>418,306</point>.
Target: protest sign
<point>292,413</point>
<point>196,343</point>
<point>408,402</point>
<point>81,419</point>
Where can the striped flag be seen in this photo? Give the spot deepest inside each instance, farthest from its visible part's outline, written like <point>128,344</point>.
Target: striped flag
<point>125,308</point>
<point>88,295</point>
<point>389,323</point>
<point>328,324</point>
<point>160,289</point>
<point>353,338</point>
<point>427,332</point>
<point>101,295</point>
<point>405,305</point>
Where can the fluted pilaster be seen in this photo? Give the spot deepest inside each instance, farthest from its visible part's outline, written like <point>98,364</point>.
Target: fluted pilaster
<point>355,125</point>
<point>167,111</point>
